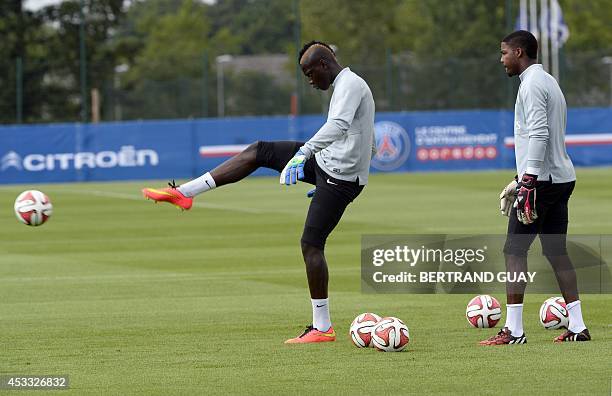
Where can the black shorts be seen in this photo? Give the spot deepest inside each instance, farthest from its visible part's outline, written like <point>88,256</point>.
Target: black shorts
<point>332,195</point>
<point>551,224</point>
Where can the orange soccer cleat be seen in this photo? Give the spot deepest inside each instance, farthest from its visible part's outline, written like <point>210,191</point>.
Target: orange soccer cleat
<point>169,194</point>
<point>313,335</point>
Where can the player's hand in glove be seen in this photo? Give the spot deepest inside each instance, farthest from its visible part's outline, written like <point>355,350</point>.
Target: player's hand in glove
<point>311,193</point>
<point>507,197</point>
<point>294,170</point>
<point>526,199</point>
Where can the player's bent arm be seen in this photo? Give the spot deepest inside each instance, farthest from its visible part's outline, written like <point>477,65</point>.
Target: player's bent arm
<point>342,111</point>
<point>537,126</point>
<point>329,133</point>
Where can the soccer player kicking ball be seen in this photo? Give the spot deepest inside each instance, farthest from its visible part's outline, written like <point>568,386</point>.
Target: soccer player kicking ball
<point>537,200</point>
<point>336,160</point>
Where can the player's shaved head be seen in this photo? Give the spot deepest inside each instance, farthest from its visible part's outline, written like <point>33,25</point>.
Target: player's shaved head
<point>315,51</point>
<point>318,62</point>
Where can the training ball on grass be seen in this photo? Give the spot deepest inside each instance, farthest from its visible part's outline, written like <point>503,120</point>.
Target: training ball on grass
<point>361,329</point>
<point>483,311</point>
<point>553,314</point>
<point>390,335</point>
<point>33,208</point>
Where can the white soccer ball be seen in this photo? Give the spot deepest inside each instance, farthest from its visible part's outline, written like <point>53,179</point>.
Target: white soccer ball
<point>33,208</point>
<point>483,311</point>
<point>361,329</point>
<point>553,314</point>
<point>390,335</point>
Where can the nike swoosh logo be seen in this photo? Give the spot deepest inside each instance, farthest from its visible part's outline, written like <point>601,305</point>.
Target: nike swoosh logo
<point>159,192</point>
<point>331,182</point>
<point>319,306</point>
<point>206,181</point>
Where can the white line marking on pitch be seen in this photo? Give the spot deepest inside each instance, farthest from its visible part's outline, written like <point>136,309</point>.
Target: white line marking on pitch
<point>206,205</point>
<point>160,276</point>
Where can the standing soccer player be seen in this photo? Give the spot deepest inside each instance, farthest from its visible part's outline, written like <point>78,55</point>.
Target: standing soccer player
<point>537,200</point>
<point>336,160</point>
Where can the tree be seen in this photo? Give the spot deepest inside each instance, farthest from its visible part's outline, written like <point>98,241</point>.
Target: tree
<point>361,30</point>
<point>166,64</point>
<point>22,37</point>
<point>589,25</point>
<point>175,44</point>
<point>255,26</point>
<point>62,64</point>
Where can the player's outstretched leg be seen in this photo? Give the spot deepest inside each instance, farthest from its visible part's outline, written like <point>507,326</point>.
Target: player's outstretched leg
<point>231,171</point>
<point>321,329</point>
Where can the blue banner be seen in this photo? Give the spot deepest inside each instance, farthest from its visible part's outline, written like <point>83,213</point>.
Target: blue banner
<point>406,141</point>
<point>440,141</point>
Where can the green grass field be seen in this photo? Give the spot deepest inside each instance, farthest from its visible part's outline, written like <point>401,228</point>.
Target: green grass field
<point>128,297</point>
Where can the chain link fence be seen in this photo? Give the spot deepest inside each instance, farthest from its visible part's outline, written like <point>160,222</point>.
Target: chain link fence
<point>45,92</point>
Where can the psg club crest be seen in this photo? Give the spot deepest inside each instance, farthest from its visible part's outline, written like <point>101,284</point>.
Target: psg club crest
<point>392,144</point>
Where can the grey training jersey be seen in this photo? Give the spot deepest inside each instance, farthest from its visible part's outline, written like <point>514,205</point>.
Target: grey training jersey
<point>345,144</point>
<point>540,116</point>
